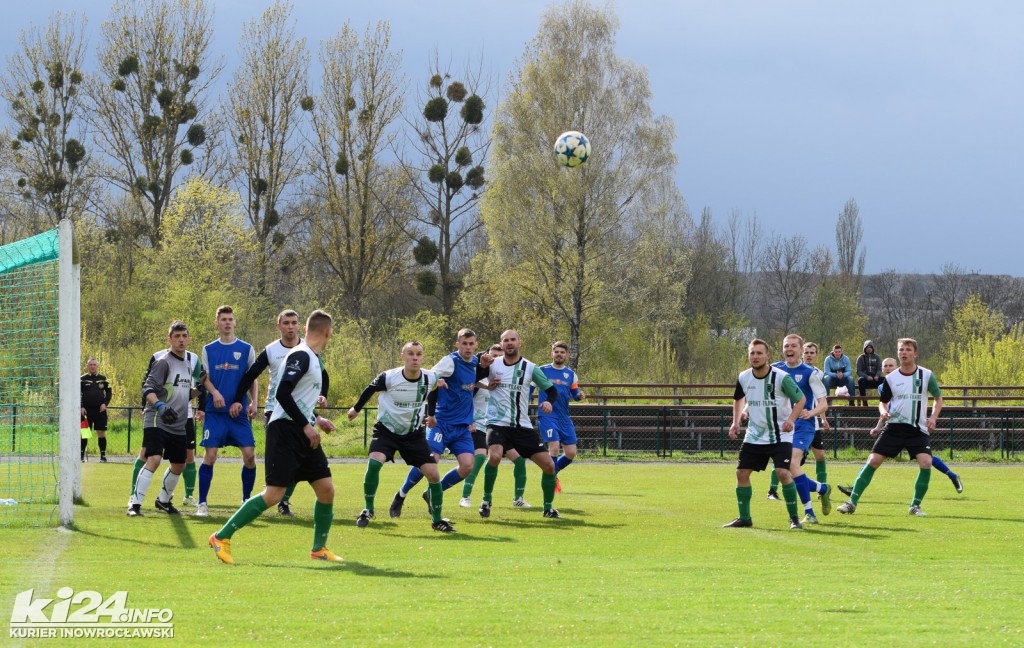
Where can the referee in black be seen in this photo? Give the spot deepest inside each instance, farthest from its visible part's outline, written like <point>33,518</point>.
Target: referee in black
<point>96,395</point>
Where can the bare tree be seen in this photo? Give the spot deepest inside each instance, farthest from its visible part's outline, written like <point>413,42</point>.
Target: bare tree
<point>265,103</point>
<point>447,172</point>
<point>359,232</point>
<point>849,234</point>
<point>950,288</point>
<point>786,278</point>
<point>145,105</point>
<point>47,160</point>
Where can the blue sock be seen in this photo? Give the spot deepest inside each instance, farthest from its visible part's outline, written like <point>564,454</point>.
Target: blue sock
<point>450,478</point>
<point>940,465</point>
<point>411,480</point>
<point>803,489</point>
<point>205,478</point>
<point>562,462</point>
<point>248,479</point>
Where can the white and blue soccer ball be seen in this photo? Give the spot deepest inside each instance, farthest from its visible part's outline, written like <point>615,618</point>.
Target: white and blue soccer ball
<point>572,148</point>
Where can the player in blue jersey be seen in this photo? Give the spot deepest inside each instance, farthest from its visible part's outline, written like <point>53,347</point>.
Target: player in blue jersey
<point>449,417</point>
<point>888,366</point>
<point>809,381</point>
<point>225,361</point>
<point>556,428</point>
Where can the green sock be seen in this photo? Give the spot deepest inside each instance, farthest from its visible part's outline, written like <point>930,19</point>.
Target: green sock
<point>436,498</point>
<point>323,515</point>
<point>547,485</point>
<point>139,463</point>
<point>288,496</point>
<point>821,471</point>
<point>743,495</point>
<point>190,479</point>
<point>774,485</point>
<point>490,476</point>
<point>519,474</point>
<point>371,481</point>
<point>789,494</point>
<point>478,463</point>
<point>924,476</point>
<point>863,479</point>
<point>252,509</point>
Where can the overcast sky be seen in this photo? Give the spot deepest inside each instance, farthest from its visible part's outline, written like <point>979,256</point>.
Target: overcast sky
<point>785,110</point>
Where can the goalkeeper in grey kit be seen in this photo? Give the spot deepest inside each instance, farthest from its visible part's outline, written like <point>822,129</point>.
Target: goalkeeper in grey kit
<point>167,392</point>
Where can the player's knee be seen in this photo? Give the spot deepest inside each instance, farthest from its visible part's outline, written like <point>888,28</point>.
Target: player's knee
<point>570,453</point>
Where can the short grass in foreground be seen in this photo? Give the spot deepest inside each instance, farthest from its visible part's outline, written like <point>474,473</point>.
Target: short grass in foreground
<point>640,558</point>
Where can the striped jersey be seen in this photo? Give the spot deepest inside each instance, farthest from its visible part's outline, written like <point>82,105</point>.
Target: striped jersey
<point>400,406</point>
<point>170,378</point>
<point>480,399</point>
<point>821,376</point>
<point>808,379</point>
<point>769,404</point>
<point>567,384</point>
<point>275,353</point>
<point>907,396</point>
<point>193,361</point>
<point>226,363</point>
<point>509,402</point>
<point>455,404</point>
<point>300,367</point>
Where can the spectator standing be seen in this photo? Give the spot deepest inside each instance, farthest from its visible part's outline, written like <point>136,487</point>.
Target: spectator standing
<point>96,394</point>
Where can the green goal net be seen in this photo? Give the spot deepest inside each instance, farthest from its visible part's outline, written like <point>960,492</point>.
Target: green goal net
<point>31,468</point>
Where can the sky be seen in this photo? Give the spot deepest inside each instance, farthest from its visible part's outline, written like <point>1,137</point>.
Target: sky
<point>784,110</point>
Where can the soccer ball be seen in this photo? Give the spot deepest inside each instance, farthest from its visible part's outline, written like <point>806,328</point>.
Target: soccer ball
<point>572,148</point>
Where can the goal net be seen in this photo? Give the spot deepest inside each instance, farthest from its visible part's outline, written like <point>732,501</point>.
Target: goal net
<point>39,359</point>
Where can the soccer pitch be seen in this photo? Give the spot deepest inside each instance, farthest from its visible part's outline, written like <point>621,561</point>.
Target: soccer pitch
<point>639,559</point>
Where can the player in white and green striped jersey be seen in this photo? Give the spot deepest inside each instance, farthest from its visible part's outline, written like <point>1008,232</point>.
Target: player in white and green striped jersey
<point>903,405</point>
<point>773,402</point>
<point>508,420</point>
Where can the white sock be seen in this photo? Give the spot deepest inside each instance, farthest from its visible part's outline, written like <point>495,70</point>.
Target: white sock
<point>167,489</point>
<point>142,485</point>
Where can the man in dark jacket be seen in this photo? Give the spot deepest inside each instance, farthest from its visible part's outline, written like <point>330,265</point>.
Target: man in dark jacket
<point>869,371</point>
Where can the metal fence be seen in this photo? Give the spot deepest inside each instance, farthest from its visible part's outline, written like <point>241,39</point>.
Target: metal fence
<point>695,432</point>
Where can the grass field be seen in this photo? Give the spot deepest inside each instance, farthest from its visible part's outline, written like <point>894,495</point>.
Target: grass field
<point>640,559</point>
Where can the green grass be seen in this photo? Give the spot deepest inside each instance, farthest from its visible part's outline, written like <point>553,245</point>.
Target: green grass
<point>639,559</point>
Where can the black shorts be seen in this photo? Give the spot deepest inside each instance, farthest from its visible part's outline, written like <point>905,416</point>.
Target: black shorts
<point>413,447</point>
<point>97,419</point>
<point>479,440</point>
<point>755,456</point>
<point>288,457</point>
<point>161,442</point>
<point>818,442</point>
<point>266,419</point>
<point>526,441</point>
<point>897,436</point>
<point>190,434</point>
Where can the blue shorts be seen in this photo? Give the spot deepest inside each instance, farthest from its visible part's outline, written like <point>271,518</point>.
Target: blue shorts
<point>556,429</point>
<point>803,434</point>
<point>220,429</point>
<point>456,438</point>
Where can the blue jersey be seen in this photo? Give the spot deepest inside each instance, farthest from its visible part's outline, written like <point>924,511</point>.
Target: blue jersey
<point>565,382</point>
<point>455,404</point>
<point>806,378</point>
<point>226,364</point>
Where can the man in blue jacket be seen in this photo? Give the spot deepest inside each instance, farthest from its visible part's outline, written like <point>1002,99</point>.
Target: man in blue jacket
<point>838,371</point>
